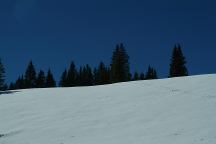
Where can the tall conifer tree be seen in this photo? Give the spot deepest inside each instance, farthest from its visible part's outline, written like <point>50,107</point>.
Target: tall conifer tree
<point>50,82</point>
<point>41,80</point>
<point>72,76</point>
<point>2,76</point>
<point>120,70</point>
<point>177,66</point>
<point>151,73</point>
<point>63,80</point>
<point>30,76</point>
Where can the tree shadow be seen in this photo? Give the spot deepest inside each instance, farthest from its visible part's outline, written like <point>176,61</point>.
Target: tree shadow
<point>8,92</point>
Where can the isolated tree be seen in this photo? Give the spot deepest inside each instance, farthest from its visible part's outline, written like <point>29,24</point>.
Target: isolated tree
<point>72,76</point>
<point>136,76</point>
<point>50,82</point>
<point>2,76</point>
<point>151,73</point>
<point>41,80</point>
<point>177,66</point>
<point>30,76</point>
<point>120,70</point>
<point>63,79</point>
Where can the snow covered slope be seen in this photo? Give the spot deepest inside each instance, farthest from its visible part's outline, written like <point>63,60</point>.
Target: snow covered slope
<point>169,111</point>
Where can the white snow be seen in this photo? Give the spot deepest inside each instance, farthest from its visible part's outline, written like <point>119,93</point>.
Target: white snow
<point>167,111</point>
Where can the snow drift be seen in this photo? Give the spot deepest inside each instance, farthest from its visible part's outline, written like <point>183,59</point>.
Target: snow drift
<point>167,111</point>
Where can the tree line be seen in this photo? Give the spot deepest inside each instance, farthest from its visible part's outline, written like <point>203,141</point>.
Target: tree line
<point>117,71</point>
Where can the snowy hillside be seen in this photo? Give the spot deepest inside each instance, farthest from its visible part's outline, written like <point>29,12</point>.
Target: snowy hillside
<point>169,111</point>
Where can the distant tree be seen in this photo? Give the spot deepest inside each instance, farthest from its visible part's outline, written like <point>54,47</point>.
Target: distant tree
<point>72,76</point>
<point>87,76</point>
<point>151,73</point>
<point>120,70</point>
<point>2,76</point>
<point>41,80</point>
<point>63,79</point>
<point>142,76</point>
<point>30,76</point>
<point>80,77</point>
<point>101,74</point>
<point>177,66</point>
<point>20,83</point>
<point>50,82</point>
<point>136,76</point>
<point>12,86</point>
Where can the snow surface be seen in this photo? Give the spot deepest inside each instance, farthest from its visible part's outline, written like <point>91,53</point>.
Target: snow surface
<point>167,111</point>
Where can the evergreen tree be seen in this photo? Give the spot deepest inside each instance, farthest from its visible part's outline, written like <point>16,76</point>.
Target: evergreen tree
<point>142,76</point>
<point>151,73</point>
<point>80,77</point>
<point>177,66</point>
<point>120,70</point>
<point>20,83</point>
<point>30,76</point>
<point>101,74</point>
<point>12,86</point>
<point>63,80</point>
<point>136,76</point>
<point>95,76</point>
<point>72,76</point>
<point>87,76</point>
<point>41,80</point>
<point>50,82</point>
<point>2,76</point>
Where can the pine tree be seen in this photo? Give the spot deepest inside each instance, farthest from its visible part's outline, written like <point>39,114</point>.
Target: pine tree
<point>41,80</point>
<point>120,70</point>
<point>87,76</point>
<point>30,76</point>
<point>101,74</point>
<point>177,66</point>
<point>50,82</point>
<point>63,80</point>
<point>136,76</point>
<point>151,73</point>
<point>72,76</point>
<point>20,83</point>
<point>12,86</point>
<point>2,77</point>
<point>142,76</point>
<point>80,77</point>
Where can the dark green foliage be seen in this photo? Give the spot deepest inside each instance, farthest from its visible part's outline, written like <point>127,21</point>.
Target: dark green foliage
<point>2,76</point>
<point>12,86</point>
<point>151,73</point>
<point>50,82</point>
<point>86,76</point>
<point>20,83</point>
<point>142,76</point>
<point>177,66</point>
<point>120,70</point>
<point>63,80</point>
<point>41,80</point>
<point>101,75</point>
<point>72,76</point>
<point>136,76</point>
<point>30,76</point>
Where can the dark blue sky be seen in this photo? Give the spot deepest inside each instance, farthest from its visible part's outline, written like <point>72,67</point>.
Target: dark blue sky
<point>54,32</point>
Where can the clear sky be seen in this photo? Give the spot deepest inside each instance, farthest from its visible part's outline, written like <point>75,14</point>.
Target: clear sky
<point>54,32</point>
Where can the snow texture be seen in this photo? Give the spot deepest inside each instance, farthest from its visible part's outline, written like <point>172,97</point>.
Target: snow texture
<point>167,111</point>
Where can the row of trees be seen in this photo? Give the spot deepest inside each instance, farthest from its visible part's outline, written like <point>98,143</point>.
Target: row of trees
<point>33,80</point>
<point>117,71</point>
